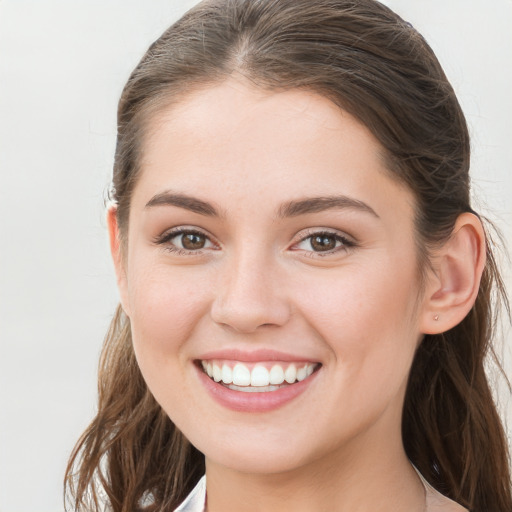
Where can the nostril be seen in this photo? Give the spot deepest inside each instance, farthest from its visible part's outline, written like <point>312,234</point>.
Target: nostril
<point>247,300</point>
<point>249,318</point>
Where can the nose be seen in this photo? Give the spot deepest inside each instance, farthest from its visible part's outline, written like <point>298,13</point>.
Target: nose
<point>250,294</point>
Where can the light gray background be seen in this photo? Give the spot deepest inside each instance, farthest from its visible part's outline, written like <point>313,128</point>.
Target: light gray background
<point>62,68</point>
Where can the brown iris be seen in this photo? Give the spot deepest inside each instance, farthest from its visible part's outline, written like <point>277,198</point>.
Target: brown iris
<point>193,241</point>
<point>323,242</point>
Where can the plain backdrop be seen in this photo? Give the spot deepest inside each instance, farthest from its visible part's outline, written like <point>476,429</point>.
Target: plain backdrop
<point>62,67</point>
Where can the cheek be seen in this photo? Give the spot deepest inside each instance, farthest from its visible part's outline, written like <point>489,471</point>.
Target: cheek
<point>167,308</point>
<point>367,318</point>
<point>380,295</point>
<point>167,304</point>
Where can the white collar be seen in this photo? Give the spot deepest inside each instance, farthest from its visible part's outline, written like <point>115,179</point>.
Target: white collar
<point>196,500</point>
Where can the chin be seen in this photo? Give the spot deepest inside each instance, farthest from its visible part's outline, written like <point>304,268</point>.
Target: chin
<point>256,454</point>
<point>256,462</point>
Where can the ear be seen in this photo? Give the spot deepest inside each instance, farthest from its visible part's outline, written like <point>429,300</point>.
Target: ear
<point>117,256</point>
<point>453,284</point>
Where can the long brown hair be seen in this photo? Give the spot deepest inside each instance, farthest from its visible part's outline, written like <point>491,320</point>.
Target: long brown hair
<point>371,63</point>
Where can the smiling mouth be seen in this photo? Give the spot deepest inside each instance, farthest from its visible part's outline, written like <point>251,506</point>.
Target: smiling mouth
<point>257,377</point>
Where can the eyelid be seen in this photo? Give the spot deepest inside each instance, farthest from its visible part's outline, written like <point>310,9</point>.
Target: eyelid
<point>348,242</point>
<point>171,233</point>
<point>305,233</point>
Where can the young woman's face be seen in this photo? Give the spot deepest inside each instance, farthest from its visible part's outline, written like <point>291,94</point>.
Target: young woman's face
<point>268,244</point>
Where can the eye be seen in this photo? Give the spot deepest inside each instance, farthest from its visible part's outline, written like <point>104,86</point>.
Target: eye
<point>190,241</point>
<point>185,241</point>
<point>323,242</point>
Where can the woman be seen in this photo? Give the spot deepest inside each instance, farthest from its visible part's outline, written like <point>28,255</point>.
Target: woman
<point>305,288</point>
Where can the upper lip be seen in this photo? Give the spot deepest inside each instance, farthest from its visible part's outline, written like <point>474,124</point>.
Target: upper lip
<point>254,356</point>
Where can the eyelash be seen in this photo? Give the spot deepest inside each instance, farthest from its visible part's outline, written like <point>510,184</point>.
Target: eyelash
<point>165,239</point>
<point>345,243</point>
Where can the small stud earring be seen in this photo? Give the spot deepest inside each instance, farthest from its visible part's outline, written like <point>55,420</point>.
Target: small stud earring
<point>436,318</point>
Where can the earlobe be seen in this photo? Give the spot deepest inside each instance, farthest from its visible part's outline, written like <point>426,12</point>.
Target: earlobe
<point>117,256</point>
<point>453,285</point>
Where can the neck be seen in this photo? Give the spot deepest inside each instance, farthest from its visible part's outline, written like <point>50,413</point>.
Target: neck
<point>365,476</point>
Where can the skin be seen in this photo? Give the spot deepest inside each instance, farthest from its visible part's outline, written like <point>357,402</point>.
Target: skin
<point>258,284</point>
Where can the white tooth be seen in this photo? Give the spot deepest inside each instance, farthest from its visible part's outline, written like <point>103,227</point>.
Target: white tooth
<point>209,370</point>
<point>260,376</point>
<point>241,375</point>
<point>276,375</point>
<point>302,373</point>
<point>217,373</point>
<point>227,374</point>
<point>310,369</point>
<point>204,365</point>
<point>290,375</point>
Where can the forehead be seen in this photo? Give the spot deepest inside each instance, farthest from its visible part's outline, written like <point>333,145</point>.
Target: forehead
<point>233,139</point>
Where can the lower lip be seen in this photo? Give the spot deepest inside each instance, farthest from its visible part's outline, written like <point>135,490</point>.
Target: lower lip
<point>254,402</point>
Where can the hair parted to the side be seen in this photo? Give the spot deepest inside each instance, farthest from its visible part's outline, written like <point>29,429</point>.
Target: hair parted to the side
<point>371,63</point>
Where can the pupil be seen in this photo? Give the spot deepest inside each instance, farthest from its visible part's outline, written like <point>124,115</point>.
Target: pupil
<point>323,242</point>
<point>193,241</point>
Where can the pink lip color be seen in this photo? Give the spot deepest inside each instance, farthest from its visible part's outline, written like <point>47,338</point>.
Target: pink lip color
<point>255,356</point>
<point>253,402</point>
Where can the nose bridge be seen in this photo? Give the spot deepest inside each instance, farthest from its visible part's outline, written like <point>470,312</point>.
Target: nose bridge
<point>248,294</point>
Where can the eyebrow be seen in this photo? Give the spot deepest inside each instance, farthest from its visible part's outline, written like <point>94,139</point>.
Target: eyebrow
<point>183,201</point>
<point>323,203</point>
<point>290,209</point>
